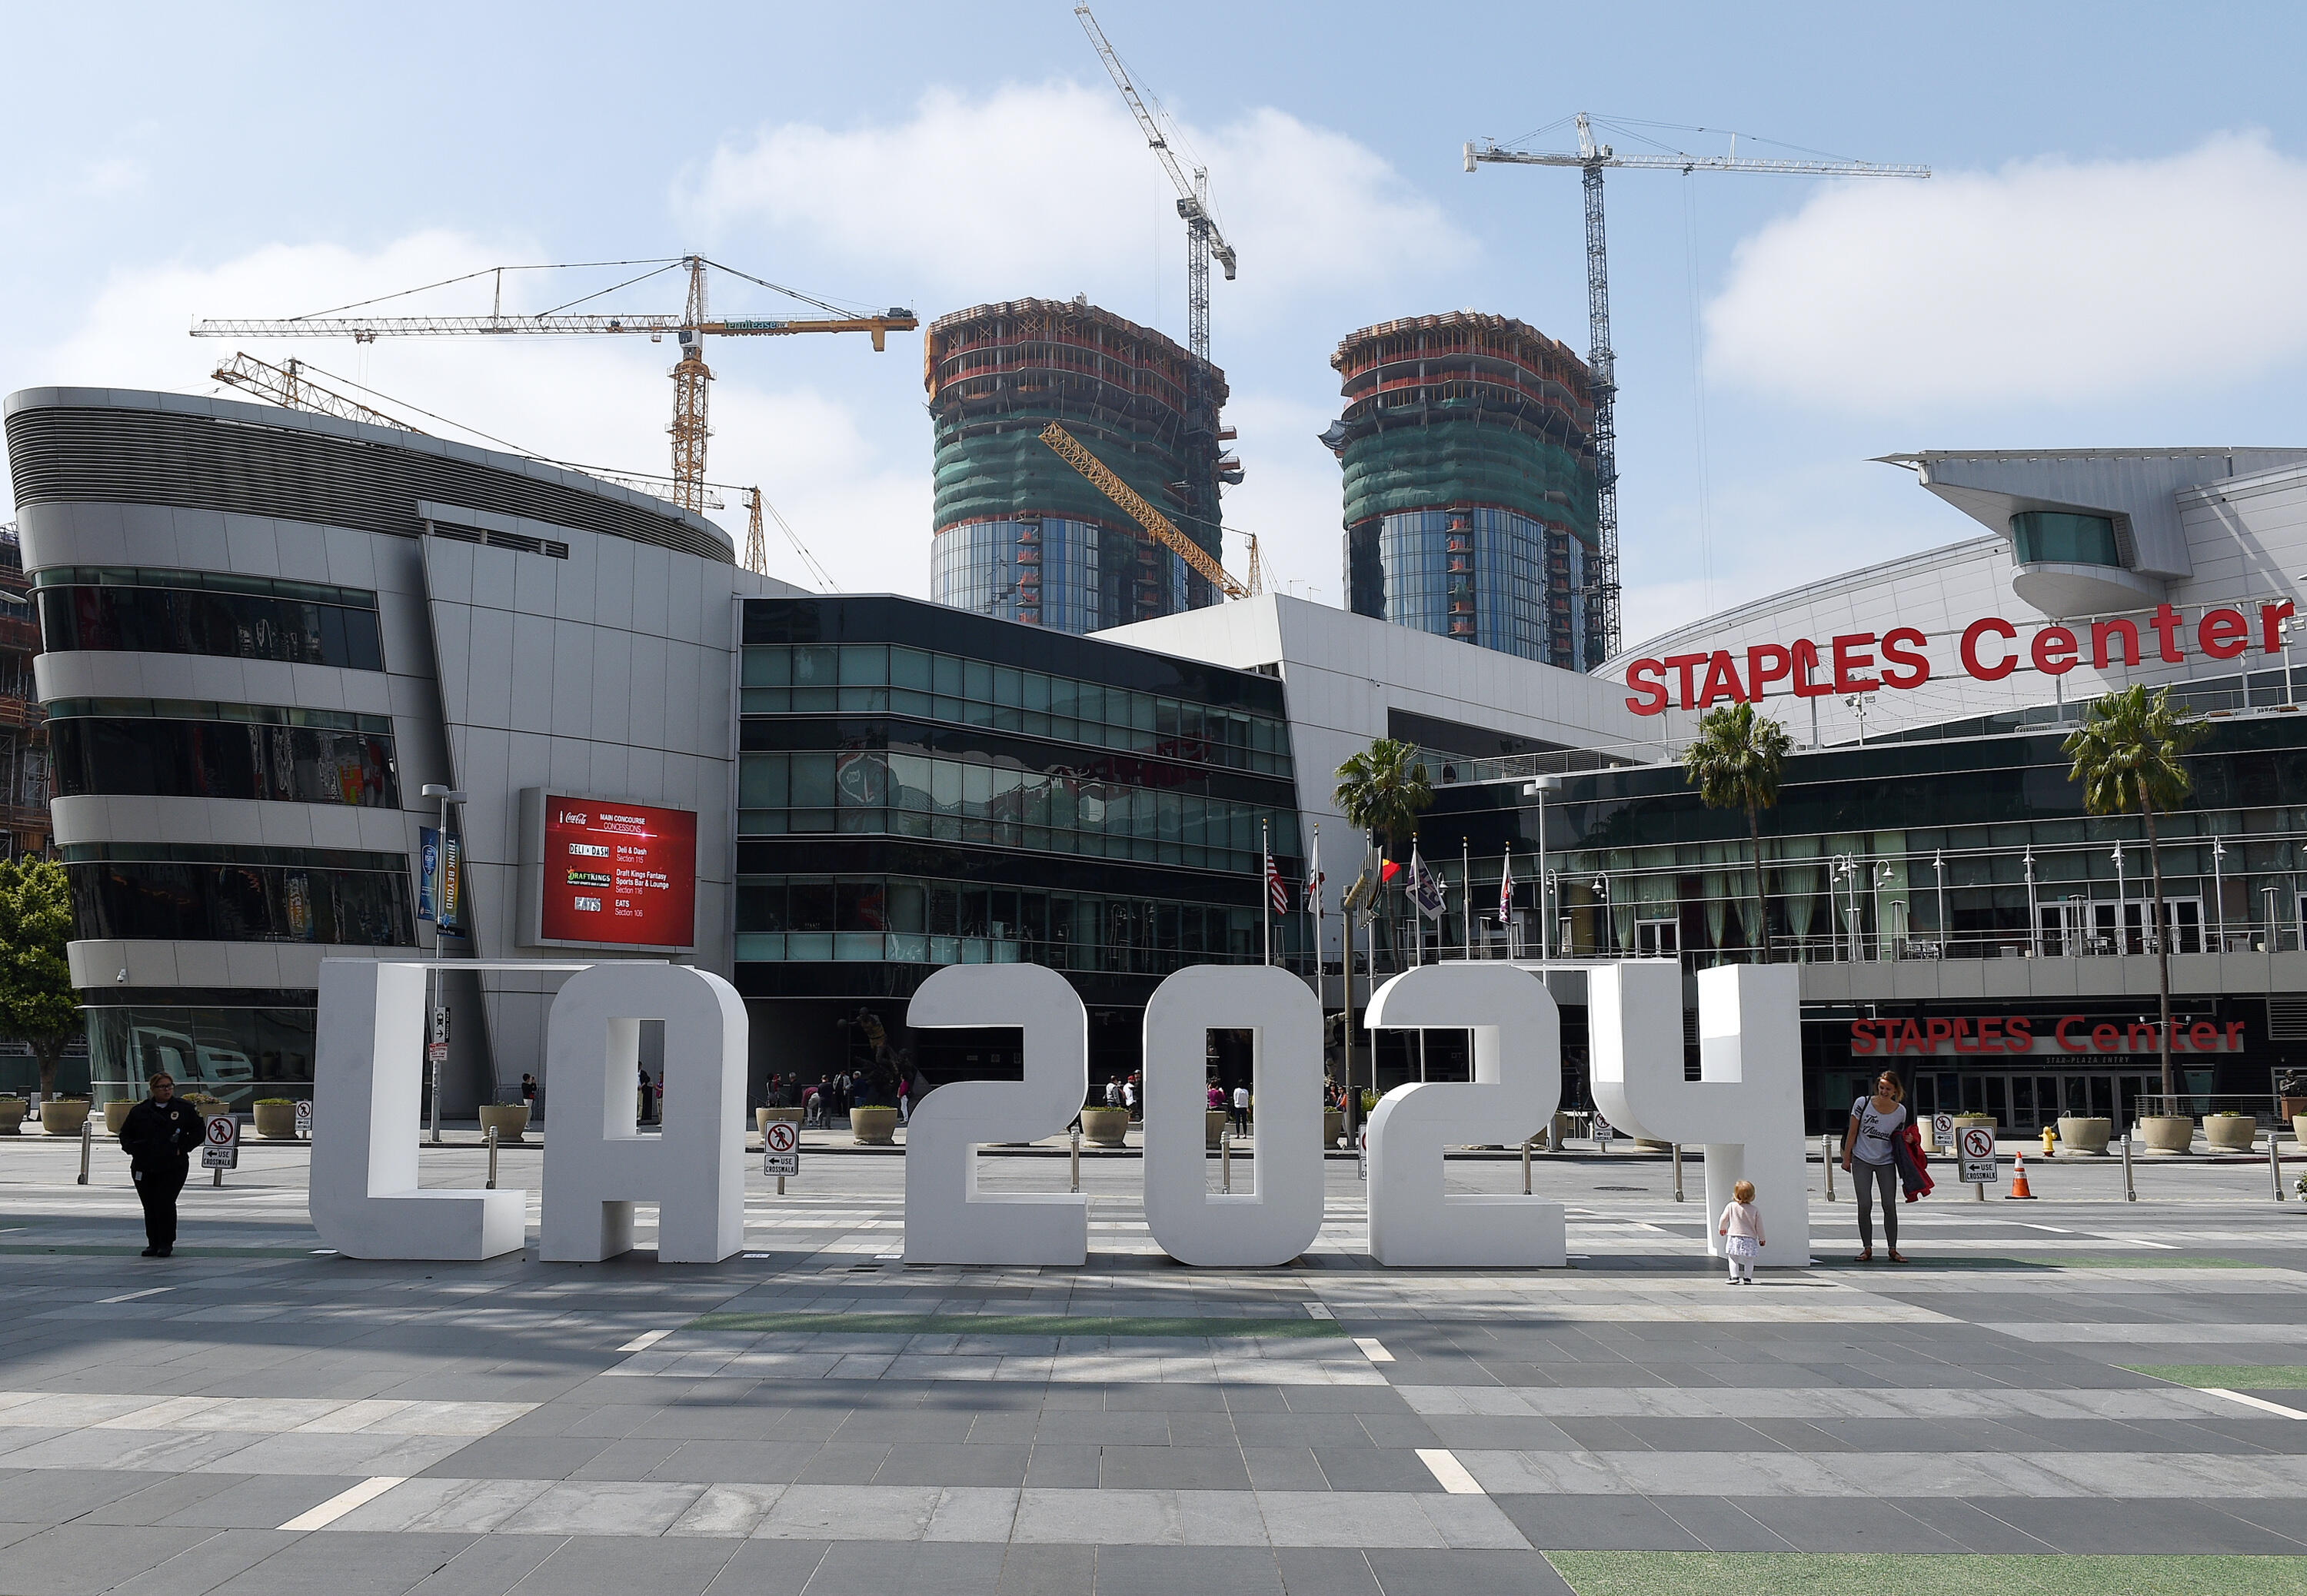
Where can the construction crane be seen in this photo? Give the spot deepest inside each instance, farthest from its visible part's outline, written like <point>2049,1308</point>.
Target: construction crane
<point>290,386</point>
<point>691,378</point>
<point>1203,238</point>
<point>1157,526</point>
<point>1590,158</point>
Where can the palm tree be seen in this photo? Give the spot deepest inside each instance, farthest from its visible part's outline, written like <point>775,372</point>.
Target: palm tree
<point>1382,790</point>
<point>2129,750</point>
<point>1734,763</point>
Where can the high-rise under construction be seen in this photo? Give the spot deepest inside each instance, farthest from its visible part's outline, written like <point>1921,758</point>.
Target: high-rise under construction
<point>1020,535</point>
<point>1468,448</point>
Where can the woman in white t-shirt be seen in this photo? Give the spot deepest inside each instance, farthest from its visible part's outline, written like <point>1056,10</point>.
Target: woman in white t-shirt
<point>1868,1159</point>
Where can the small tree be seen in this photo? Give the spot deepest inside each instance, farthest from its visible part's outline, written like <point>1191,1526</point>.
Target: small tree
<point>36,1001</point>
<point>2130,749</point>
<point>1382,790</point>
<point>1734,764</point>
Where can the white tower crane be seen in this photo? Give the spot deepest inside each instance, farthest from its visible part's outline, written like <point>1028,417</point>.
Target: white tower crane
<point>1589,157</point>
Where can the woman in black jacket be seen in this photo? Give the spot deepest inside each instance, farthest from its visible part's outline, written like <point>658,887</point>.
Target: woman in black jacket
<point>158,1136</point>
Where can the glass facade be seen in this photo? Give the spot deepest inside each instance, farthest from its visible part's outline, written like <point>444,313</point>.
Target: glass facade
<point>1478,574</point>
<point>197,613</point>
<point>2065,538</point>
<point>235,1050</point>
<point>1068,575</point>
<point>181,748</point>
<point>202,893</point>
<point>911,920</point>
<point>986,792</point>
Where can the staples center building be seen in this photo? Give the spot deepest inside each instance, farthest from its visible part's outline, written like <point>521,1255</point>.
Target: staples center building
<point>281,650</point>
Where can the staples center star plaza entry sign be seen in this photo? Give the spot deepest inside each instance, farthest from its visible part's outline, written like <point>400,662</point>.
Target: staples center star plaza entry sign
<point>603,873</point>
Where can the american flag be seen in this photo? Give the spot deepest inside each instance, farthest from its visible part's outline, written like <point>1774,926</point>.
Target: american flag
<point>1274,887</point>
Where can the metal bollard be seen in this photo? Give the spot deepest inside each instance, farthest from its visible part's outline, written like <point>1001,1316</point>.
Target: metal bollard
<point>87,1145</point>
<point>2129,1192</point>
<point>1826,1157</point>
<point>493,1158</point>
<point>1677,1172</point>
<point>2274,1165</point>
<point>1076,1140</point>
<point>1525,1163</point>
<point>1225,1160</point>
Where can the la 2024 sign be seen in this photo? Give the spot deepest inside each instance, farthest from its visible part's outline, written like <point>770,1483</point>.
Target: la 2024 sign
<point>1746,1110</point>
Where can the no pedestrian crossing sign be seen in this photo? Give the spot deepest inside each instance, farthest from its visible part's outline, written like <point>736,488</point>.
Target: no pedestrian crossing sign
<point>1976,1149</point>
<point>304,1117</point>
<point>220,1146</point>
<point>1943,1130</point>
<point>780,1149</point>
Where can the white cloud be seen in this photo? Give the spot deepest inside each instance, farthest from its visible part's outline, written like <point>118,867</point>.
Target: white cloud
<point>1051,190</point>
<point>2050,281</point>
<point>855,489</point>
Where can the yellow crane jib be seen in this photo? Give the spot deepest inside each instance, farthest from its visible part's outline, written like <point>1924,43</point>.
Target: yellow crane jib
<point>1157,526</point>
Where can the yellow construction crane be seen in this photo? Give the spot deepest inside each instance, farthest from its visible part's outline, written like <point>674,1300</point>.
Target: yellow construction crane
<point>288,386</point>
<point>691,379</point>
<point>1073,453</point>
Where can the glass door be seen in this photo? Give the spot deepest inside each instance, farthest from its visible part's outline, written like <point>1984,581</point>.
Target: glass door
<point>2062,927</point>
<point>1657,939</point>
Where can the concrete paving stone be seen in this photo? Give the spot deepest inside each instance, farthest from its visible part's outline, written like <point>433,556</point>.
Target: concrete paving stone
<point>362,1455</point>
<point>837,1462</point>
<point>864,1568</point>
<point>662,1568</point>
<point>441,1506</point>
<point>1848,1525</point>
<point>1283,1468</point>
<point>2137,1526</point>
<point>954,1463</point>
<point>1099,1517</point>
<point>1056,1467</point>
<point>1597,1523</point>
<point>348,1564</point>
<point>769,1568</point>
<point>971,1513</point>
<point>1975,1528</point>
<point>1470,1522</point>
<point>1374,1468</point>
<point>490,1565</point>
<point>1129,1570</point>
<point>850,1513</point>
<point>257,1502</point>
<point>1171,1468</point>
<point>58,1496</point>
<point>1325,1571</point>
<point>758,1462</point>
<point>505,1457</point>
<point>1466,1574</point>
<point>216,1560</point>
<point>1722,1524</point>
<point>603,1507</point>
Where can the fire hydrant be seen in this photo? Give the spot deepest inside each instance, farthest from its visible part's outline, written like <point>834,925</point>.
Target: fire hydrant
<point>2050,1137</point>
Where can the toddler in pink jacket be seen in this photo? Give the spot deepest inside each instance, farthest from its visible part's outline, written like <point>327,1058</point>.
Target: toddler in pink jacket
<point>1741,1228</point>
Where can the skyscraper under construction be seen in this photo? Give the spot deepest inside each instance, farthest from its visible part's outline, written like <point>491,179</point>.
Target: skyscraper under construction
<point>1019,533</point>
<point>1468,448</point>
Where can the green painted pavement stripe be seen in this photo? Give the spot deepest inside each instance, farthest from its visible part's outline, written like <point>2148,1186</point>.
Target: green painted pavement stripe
<point>997,1324</point>
<point>1811,1574</point>
<point>2228,1376</point>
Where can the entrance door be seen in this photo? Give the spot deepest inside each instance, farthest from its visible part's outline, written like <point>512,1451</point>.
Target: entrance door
<point>2062,927</point>
<point>1657,939</point>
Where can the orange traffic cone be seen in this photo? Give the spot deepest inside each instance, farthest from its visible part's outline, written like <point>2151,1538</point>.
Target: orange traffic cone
<point>2019,1181</point>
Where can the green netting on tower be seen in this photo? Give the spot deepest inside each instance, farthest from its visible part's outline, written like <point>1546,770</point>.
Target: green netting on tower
<point>1463,460</point>
<point>996,476</point>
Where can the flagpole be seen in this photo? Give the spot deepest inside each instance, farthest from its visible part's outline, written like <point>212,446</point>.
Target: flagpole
<point>1266,888</point>
<point>1314,891</point>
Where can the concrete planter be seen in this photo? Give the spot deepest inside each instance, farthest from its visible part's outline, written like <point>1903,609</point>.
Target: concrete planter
<point>762,1116</point>
<point>1216,1120</point>
<point>2299,1127</point>
<point>2230,1132</point>
<point>1107,1127</point>
<point>2168,1132</point>
<point>873,1127</point>
<point>116,1114</point>
<point>1334,1126</point>
<point>63,1116</point>
<point>276,1122</point>
<point>2084,1137</point>
<point>510,1119</point>
<point>12,1115</point>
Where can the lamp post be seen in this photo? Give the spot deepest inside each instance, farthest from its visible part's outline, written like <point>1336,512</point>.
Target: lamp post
<point>1938,868</point>
<point>1844,868</point>
<point>436,1035</point>
<point>2219,888</point>
<point>1855,703</point>
<point>1882,874</point>
<point>1538,789</point>
<point>2122,907</point>
<point>2034,914</point>
<point>1602,885</point>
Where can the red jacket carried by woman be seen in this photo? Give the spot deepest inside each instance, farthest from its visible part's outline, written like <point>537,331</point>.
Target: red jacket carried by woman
<point>1911,1140</point>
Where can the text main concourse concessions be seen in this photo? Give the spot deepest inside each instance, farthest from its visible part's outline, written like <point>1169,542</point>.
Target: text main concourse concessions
<point>611,874</point>
<point>1988,651</point>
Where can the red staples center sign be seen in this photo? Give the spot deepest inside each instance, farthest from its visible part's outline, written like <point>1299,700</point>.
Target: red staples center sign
<point>623,874</point>
<point>1988,650</point>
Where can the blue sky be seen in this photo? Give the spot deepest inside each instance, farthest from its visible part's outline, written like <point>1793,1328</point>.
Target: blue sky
<point>2110,255</point>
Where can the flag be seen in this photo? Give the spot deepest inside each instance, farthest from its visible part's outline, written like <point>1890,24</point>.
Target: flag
<point>1314,875</point>
<point>1275,889</point>
<point>1425,891</point>
<point>1505,892</point>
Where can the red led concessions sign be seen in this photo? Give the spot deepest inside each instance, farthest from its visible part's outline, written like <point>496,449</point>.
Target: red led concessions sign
<point>1989,651</point>
<point>622,873</point>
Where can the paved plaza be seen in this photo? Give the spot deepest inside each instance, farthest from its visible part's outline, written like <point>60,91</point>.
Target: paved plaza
<point>2075,1376</point>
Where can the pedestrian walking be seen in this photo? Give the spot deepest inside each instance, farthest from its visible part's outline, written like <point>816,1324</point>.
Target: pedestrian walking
<point>643,1088</point>
<point>1241,1110</point>
<point>1129,1095</point>
<point>158,1136</point>
<point>1113,1091</point>
<point>1741,1230</point>
<point>1869,1159</point>
<point>528,1089</point>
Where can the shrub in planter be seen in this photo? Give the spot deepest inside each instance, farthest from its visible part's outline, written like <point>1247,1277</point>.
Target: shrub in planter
<point>12,1110</point>
<point>2230,1131</point>
<point>276,1118</point>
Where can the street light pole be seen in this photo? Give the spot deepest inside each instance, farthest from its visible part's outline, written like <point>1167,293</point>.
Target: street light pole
<point>2219,892</point>
<point>1538,789</point>
<point>436,1046</point>
<point>1938,868</point>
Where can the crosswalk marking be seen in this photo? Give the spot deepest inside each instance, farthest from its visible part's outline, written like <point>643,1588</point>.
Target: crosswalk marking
<point>344,1502</point>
